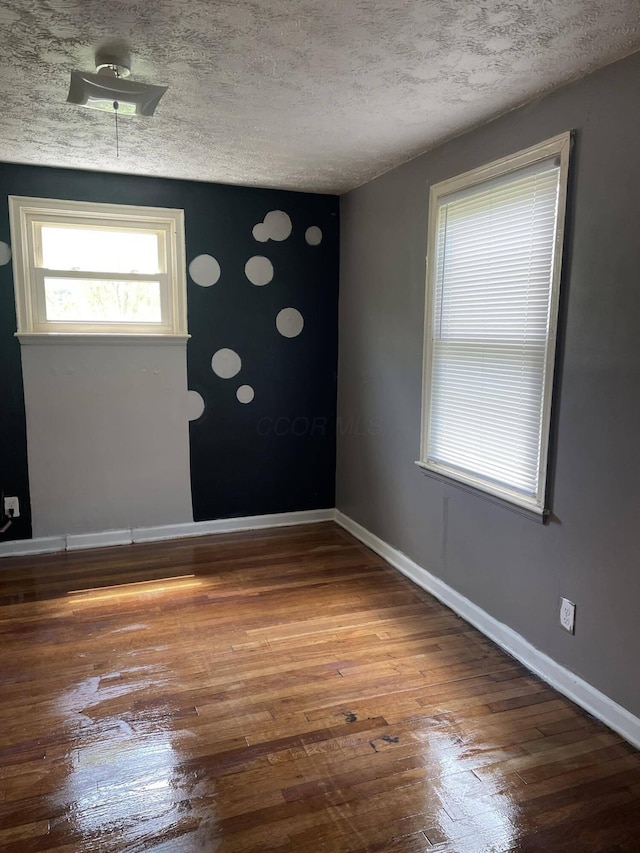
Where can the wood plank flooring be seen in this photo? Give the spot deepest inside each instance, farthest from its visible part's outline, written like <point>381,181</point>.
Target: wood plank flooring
<point>282,691</point>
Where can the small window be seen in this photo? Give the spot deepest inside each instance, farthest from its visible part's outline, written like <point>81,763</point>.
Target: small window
<point>493,275</point>
<point>90,269</point>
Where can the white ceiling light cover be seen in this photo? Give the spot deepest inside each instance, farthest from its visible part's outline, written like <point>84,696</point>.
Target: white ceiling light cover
<point>99,91</point>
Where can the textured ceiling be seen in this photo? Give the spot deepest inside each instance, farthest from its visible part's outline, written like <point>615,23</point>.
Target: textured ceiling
<point>317,95</point>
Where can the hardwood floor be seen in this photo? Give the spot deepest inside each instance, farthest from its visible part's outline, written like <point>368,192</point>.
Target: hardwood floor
<point>282,690</point>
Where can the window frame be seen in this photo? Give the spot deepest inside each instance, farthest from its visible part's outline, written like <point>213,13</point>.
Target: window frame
<point>26,214</point>
<point>558,146</point>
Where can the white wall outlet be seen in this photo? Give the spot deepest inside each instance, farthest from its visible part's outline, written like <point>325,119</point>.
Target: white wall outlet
<point>567,615</point>
<point>12,504</point>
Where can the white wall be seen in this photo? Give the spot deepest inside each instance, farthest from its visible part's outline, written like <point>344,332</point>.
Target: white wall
<point>107,436</point>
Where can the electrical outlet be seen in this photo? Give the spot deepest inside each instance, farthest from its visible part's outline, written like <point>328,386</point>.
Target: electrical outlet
<point>568,615</point>
<point>12,504</point>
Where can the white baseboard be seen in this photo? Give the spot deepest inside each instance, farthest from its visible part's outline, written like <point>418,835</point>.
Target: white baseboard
<point>105,538</point>
<point>566,682</point>
<point>230,525</point>
<point>78,541</point>
<point>43,545</point>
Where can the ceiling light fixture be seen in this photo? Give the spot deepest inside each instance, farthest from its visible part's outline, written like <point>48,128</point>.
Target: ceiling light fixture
<point>107,89</point>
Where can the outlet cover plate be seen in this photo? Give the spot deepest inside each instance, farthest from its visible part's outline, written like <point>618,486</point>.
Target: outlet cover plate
<point>567,615</point>
<point>12,504</point>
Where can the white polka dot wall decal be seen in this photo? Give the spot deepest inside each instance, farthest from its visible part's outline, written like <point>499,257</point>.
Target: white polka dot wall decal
<point>259,270</point>
<point>5,254</point>
<point>276,226</point>
<point>204,270</point>
<point>245,393</point>
<point>226,363</point>
<point>260,233</point>
<point>195,405</point>
<point>313,236</point>
<point>289,322</point>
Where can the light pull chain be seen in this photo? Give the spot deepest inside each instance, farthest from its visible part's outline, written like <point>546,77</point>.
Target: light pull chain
<point>116,106</point>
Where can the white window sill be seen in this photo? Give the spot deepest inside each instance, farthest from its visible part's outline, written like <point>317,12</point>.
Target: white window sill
<point>98,339</point>
<point>496,496</point>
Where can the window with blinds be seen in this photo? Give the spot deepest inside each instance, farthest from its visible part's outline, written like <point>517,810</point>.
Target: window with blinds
<point>495,245</point>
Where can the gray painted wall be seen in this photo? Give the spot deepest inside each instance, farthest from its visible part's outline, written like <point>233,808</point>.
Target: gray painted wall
<point>514,568</point>
<point>108,436</point>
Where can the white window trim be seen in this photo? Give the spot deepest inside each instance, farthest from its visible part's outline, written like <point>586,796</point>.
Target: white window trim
<point>24,211</point>
<point>559,146</point>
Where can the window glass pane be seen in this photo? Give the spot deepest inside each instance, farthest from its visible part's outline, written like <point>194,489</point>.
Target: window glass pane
<point>99,249</point>
<point>71,300</point>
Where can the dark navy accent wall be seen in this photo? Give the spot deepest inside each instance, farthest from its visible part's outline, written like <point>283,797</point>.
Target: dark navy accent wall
<point>13,440</point>
<point>277,452</point>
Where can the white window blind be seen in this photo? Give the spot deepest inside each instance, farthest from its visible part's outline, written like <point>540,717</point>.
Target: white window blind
<point>489,350</point>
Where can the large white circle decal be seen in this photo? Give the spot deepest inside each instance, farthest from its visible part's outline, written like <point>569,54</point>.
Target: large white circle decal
<point>226,363</point>
<point>195,405</point>
<point>313,235</point>
<point>204,270</point>
<point>259,270</point>
<point>5,254</point>
<point>276,226</point>
<point>245,393</point>
<point>289,322</point>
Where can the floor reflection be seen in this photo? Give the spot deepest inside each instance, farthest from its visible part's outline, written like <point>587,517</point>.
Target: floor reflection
<point>124,777</point>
